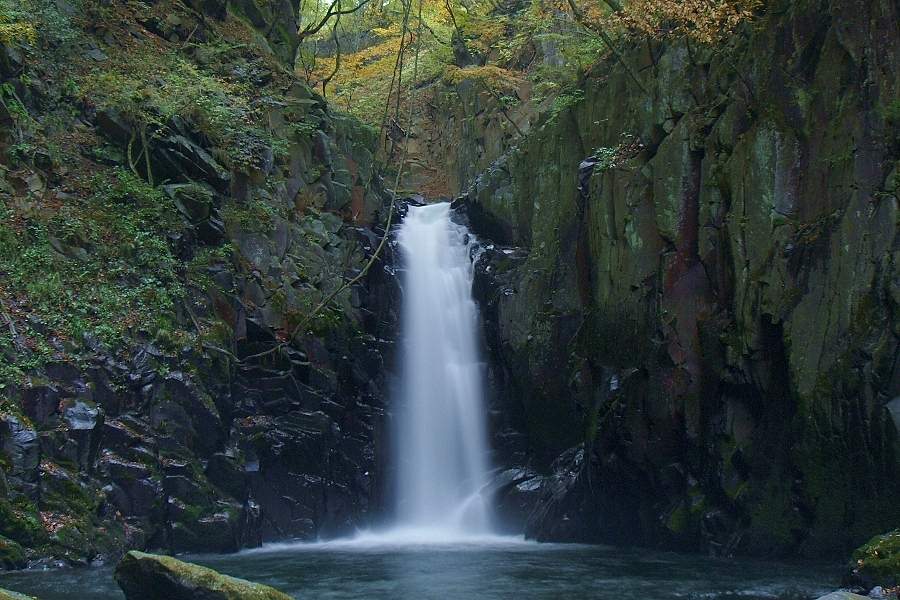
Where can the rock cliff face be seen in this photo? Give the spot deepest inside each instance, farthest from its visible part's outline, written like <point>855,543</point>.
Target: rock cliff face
<point>691,300</point>
<point>205,431</point>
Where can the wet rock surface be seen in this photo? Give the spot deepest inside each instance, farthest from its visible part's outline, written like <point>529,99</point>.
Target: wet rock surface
<point>690,300</point>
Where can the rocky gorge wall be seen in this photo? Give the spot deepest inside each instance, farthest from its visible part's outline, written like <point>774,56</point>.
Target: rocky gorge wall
<point>200,404</point>
<point>691,294</point>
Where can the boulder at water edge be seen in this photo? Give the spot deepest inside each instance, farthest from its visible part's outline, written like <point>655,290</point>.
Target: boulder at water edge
<point>8,595</point>
<point>878,562</point>
<point>843,596</point>
<point>152,577</point>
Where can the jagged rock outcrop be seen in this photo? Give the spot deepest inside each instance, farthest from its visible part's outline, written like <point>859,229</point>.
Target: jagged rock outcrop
<point>691,302</point>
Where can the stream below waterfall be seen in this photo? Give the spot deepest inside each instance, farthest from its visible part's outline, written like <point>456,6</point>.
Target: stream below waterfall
<point>378,571</point>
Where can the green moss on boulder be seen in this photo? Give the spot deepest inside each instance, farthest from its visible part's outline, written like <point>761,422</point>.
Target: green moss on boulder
<point>20,523</point>
<point>9,595</point>
<point>11,554</point>
<point>878,561</point>
<point>152,577</point>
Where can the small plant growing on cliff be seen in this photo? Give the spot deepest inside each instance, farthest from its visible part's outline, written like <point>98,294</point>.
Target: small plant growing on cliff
<point>614,157</point>
<point>15,25</point>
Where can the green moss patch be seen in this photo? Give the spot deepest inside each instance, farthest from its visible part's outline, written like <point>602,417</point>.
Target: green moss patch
<point>878,561</point>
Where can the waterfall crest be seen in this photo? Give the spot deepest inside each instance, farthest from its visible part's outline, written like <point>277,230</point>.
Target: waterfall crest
<point>440,436</point>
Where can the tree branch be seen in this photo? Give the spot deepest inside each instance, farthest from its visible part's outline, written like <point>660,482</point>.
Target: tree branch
<point>579,16</point>
<point>329,14</point>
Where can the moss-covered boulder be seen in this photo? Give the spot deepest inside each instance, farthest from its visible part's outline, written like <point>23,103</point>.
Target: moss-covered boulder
<point>152,577</point>
<point>878,561</point>
<point>12,556</point>
<point>9,595</point>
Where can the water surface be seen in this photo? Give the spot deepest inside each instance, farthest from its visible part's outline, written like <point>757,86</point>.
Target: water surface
<point>484,569</point>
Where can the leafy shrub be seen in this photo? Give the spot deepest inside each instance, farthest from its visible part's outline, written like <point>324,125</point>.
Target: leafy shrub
<point>153,90</point>
<point>704,21</point>
<point>100,264</point>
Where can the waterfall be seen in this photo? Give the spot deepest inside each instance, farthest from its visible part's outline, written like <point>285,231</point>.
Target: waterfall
<point>440,435</point>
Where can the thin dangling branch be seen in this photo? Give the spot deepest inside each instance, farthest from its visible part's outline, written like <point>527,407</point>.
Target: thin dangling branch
<point>387,228</point>
<point>130,155</point>
<point>146,156</point>
<point>337,51</point>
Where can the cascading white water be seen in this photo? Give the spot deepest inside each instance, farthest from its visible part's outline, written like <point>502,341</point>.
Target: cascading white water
<point>440,436</point>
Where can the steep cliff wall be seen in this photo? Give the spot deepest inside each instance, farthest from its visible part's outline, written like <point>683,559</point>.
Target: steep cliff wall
<point>174,207</point>
<point>697,323</point>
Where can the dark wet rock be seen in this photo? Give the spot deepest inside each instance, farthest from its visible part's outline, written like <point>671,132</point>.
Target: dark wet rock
<point>227,474</point>
<point>40,403</point>
<point>185,489</point>
<point>20,446</point>
<point>121,470</point>
<point>112,124</point>
<point>516,494</point>
<point>557,514</point>
<point>81,416</point>
<point>194,201</point>
<point>152,577</point>
<point>180,156</point>
<point>893,408</point>
<point>223,527</point>
<point>64,372</point>
<point>104,392</point>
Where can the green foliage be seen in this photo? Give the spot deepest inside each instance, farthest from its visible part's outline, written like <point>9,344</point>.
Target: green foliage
<point>11,554</point>
<point>891,112</point>
<point>614,157</point>
<point>16,25</point>
<point>97,265</point>
<point>206,257</point>
<point>252,216</point>
<point>304,129</point>
<point>31,21</point>
<point>879,559</point>
<point>563,102</point>
<point>152,89</point>
<point>19,522</point>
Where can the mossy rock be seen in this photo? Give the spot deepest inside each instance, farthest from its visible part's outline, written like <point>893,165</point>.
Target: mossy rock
<point>19,525</point>
<point>878,561</point>
<point>10,595</point>
<point>11,554</point>
<point>153,577</point>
